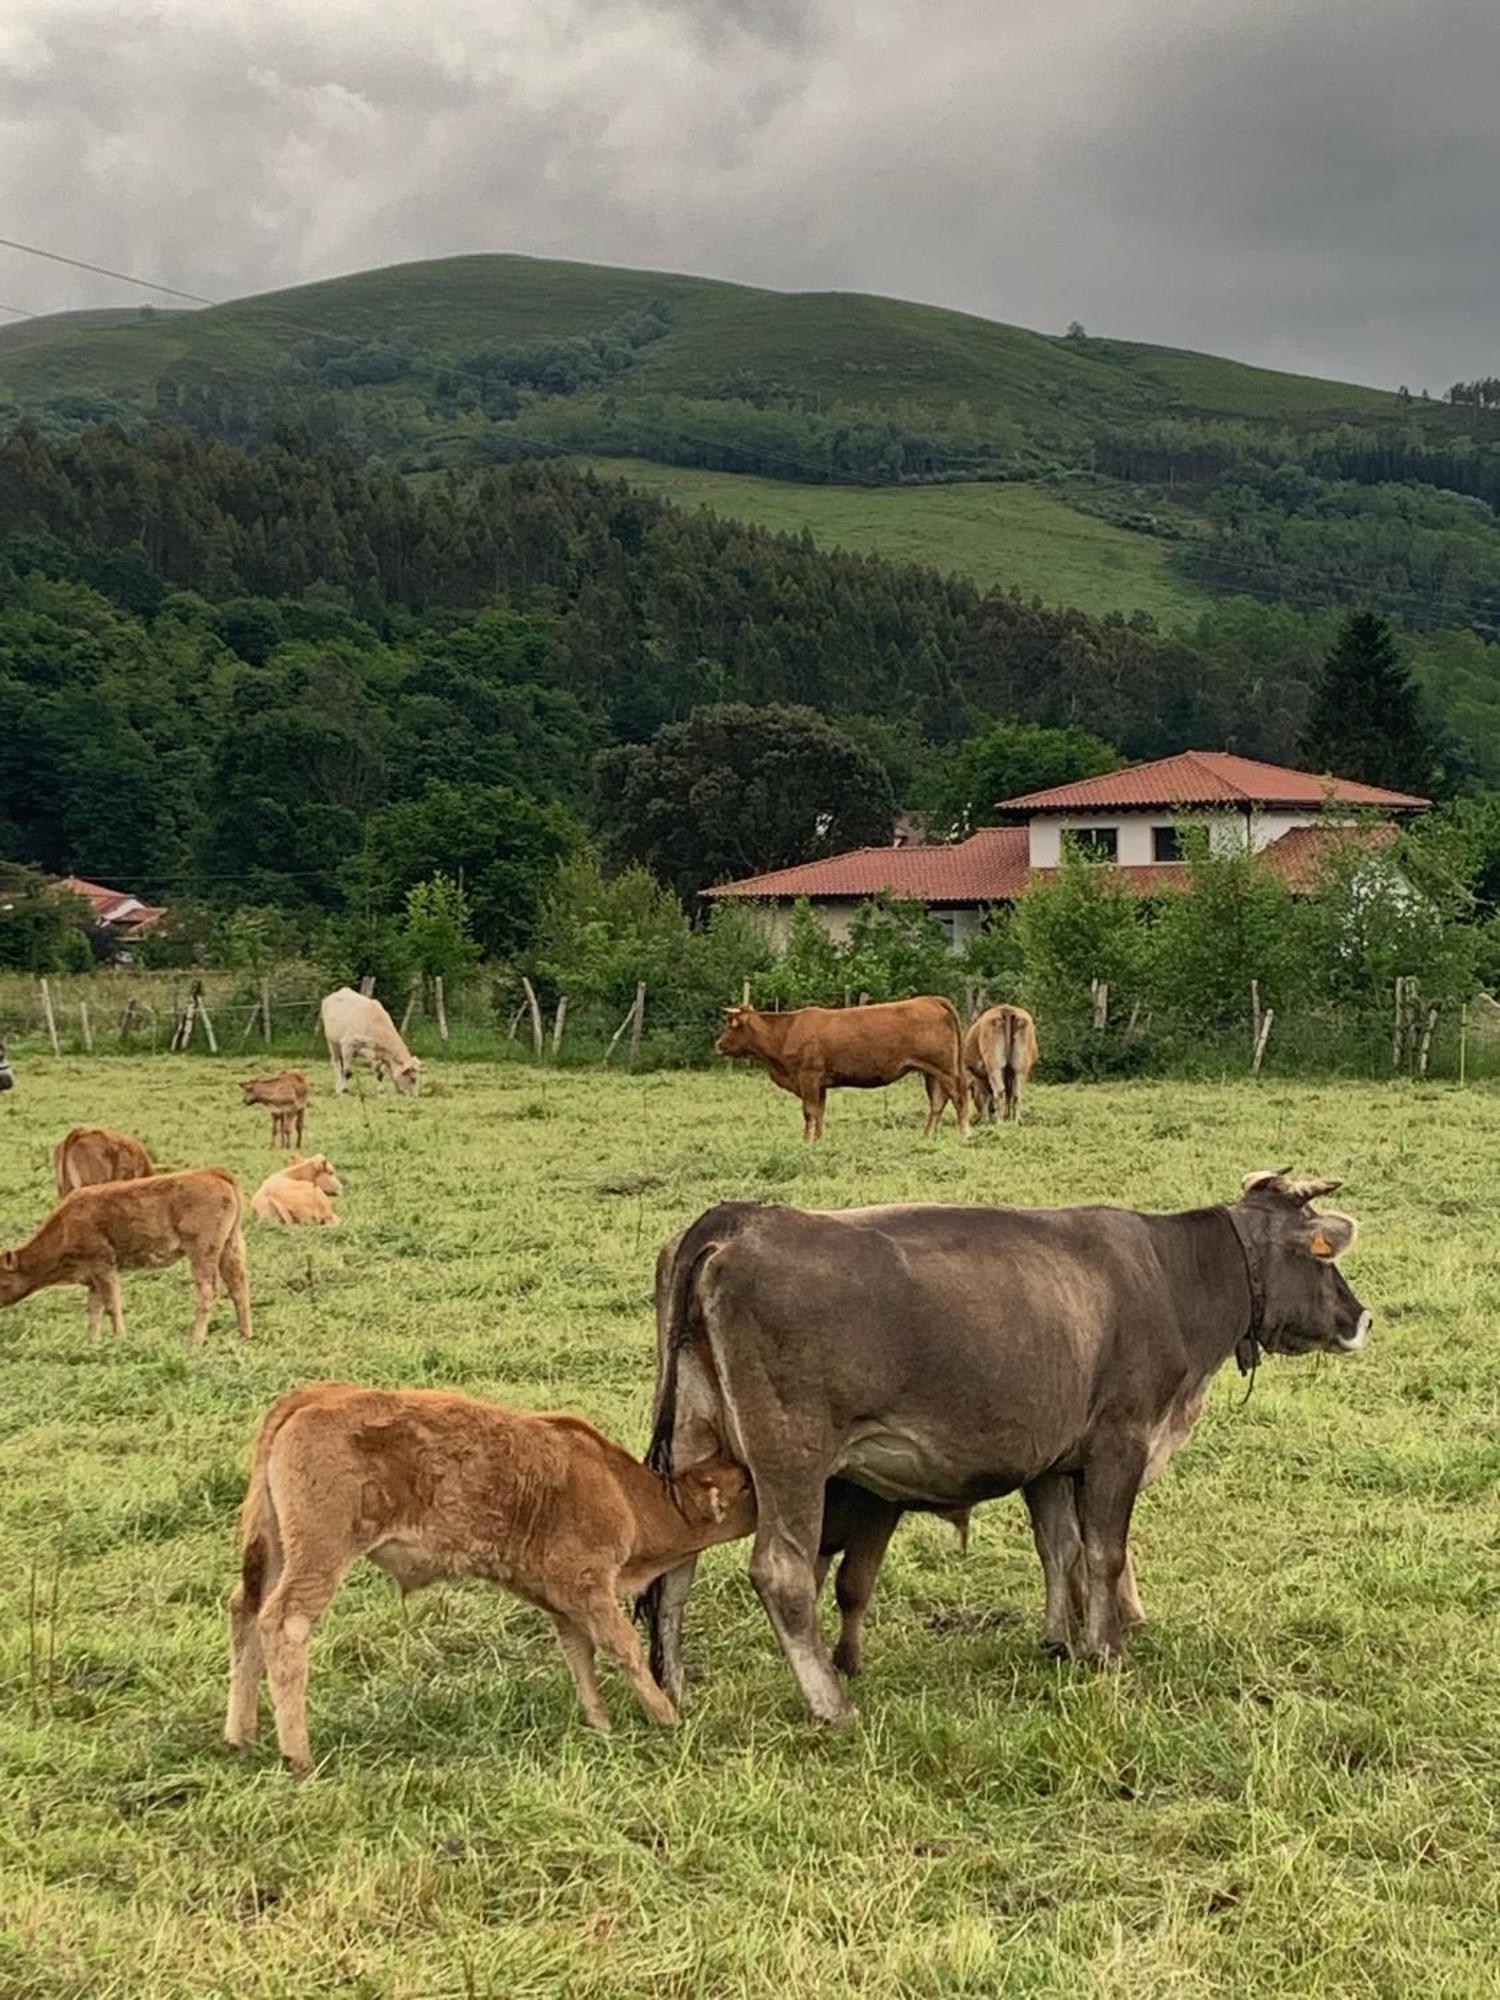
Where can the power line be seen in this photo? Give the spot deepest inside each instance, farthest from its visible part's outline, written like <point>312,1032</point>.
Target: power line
<point>20,312</point>
<point>101,270</point>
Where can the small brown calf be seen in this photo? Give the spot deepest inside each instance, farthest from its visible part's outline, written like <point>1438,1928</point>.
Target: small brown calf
<point>286,1096</point>
<point>298,1193</point>
<point>93,1153</point>
<point>95,1233</point>
<point>1000,1052</point>
<point>430,1484</point>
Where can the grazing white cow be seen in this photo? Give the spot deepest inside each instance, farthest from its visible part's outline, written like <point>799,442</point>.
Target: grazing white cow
<point>357,1028</point>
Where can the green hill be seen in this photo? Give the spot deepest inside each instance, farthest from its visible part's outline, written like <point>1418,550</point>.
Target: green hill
<point>1083,469</point>
<point>837,347</point>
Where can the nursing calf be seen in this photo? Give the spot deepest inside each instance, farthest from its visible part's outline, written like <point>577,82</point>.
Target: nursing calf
<point>432,1485</point>
<point>95,1233</point>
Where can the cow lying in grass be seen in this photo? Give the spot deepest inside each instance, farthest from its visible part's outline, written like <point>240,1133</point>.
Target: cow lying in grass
<point>298,1193</point>
<point>91,1154</point>
<point>286,1097</point>
<point>95,1233</point>
<point>430,1484</point>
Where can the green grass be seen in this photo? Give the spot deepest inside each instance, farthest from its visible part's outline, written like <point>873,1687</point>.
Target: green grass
<point>1289,1789</point>
<point>1009,536</point>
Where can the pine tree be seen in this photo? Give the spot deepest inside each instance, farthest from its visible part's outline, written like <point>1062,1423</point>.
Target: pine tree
<point>1367,720</point>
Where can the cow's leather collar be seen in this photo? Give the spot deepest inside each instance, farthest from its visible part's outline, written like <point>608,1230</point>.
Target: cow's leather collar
<point>1247,1349</point>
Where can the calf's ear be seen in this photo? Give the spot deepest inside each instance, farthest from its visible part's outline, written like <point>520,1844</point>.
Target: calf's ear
<point>1332,1234</point>
<point>10,1261</point>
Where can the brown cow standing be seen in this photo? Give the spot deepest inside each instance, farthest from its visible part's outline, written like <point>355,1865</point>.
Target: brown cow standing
<point>286,1095</point>
<point>812,1050</point>
<point>430,1484</point>
<point>95,1233</point>
<point>1000,1052</point>
<point>93,1153</point>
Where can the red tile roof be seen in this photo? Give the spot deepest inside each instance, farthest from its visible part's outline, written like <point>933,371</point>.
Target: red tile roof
<point>1211,777</point>
<point>991,866</point>
<point>116,907</point>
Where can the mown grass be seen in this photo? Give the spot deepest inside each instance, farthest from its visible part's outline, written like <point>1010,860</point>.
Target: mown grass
<point>1289,1789</point>
<point>1010,536</point>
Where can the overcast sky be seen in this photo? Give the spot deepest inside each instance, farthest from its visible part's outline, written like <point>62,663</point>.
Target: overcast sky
<point>1311,185</point>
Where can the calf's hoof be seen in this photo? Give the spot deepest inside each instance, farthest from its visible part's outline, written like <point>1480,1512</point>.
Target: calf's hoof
<point>299,1768</point>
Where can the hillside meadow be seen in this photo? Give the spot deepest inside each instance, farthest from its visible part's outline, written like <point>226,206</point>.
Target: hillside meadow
<point>1010,537</point>
<point>1288,1789</point>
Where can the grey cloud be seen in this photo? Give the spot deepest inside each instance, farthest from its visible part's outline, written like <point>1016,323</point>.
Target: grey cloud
<point>1307,188</point>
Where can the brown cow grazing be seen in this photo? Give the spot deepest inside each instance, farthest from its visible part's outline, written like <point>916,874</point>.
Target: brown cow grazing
<point>1000,1052</point>
<point>286,1095</point>
<point>95,1233</point>
<point>93,1153</point>
<point>298,1193</point>
<point>430,1484</point>
<point>812,1050</point>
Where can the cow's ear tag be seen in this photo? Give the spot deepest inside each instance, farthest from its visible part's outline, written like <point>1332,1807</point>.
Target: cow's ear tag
<point>1321,1247</point>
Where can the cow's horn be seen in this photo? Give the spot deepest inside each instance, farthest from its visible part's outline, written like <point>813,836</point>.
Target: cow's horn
<point>1310,1190</point>
<point>1264,1178</point>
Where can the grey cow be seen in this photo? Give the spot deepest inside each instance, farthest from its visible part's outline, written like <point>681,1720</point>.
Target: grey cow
<point>940,1356</point>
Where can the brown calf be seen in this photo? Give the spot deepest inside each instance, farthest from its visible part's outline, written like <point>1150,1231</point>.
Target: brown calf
<point>95,1233</point>
<point>814,1049</point>
<point>430,1484</point>
<point>1000,1052</point>
<point>298,1193</point>
<point>93,1153</point>
<point>286,1095</point>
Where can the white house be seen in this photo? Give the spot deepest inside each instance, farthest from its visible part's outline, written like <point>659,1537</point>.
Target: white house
<point>1131,819</point>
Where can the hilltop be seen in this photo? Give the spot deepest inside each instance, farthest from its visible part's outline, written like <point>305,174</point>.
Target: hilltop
<point>1105,473</point>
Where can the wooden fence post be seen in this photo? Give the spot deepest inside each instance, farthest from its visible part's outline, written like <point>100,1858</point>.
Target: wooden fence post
<point>265,1011</point>
<point>745,993</point>
<point>1263,1035</point>
<point>411,1001</point>
<point>1463,1046</point>
<point>1100,991</point>
<point>515,1022</point>
<point>208,1026</point>
<point>437,1001</point>
<point>367,984</point>
<point>536,1017</point>
<point>1426,1045</point>
<point>1254,1014</point>
<point>640,1022</point>
<point>84,1024</point>
<point>559,1020</point>
<point>50,1017</point>
<point>182,1033</point>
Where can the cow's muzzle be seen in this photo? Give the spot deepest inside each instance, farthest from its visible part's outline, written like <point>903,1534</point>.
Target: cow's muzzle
<point>1350,1343</point>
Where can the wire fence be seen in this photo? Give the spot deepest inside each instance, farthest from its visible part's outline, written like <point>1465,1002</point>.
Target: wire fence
<point>251,1019</point>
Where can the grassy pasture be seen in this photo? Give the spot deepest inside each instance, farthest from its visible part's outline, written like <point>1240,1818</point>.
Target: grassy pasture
<point>1013,536</point>
<point>1290,1788</point>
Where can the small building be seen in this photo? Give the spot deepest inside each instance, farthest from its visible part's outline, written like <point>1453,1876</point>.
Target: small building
<point>126,917</point>
<point>1131,820</point>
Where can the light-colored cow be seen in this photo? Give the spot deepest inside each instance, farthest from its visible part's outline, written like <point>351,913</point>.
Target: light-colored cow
<point>358,1029</point>
<point>298,1194</point>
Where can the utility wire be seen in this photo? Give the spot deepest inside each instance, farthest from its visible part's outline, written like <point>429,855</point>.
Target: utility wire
<point>20,312</point>
<point>124,277</point>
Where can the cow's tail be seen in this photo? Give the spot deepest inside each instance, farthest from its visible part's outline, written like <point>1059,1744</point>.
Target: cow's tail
<point>960,1071</point>
<point>60,1166</point>
<point>680,1325</point>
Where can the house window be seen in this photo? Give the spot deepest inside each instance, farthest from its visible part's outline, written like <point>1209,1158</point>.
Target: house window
<point>948,920</point>
<point>1166,843</point>
<point>1095,843</point>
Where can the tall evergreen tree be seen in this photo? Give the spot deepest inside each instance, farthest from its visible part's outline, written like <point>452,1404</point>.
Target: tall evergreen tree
<point>1367,718</point>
